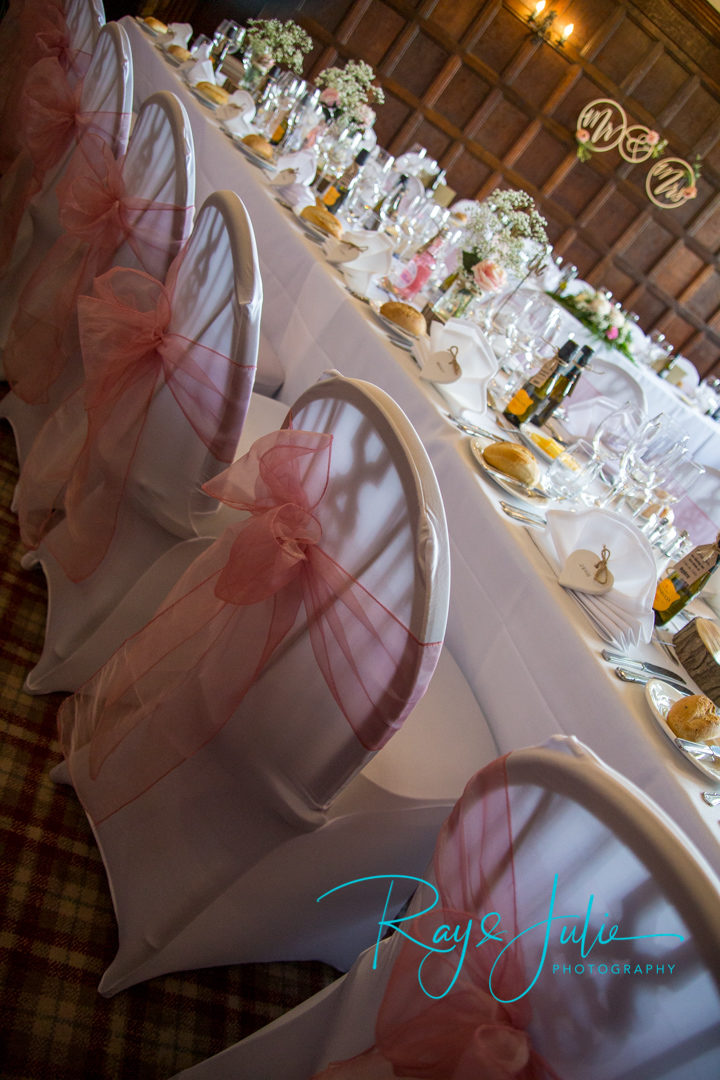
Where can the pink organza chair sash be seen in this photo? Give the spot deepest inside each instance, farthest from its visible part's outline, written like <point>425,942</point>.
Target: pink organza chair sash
<point>172,686</point>
<point>471,1029</point>
<point>52,119</point>
<point>128,350</point>
<point>97,215</point>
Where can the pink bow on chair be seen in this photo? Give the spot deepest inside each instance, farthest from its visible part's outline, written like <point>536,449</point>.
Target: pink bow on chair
<point>51,120</point>
<point>128,349</point>
<point>97,215</point>
<point>473,1028</point>
<point>175,684</point>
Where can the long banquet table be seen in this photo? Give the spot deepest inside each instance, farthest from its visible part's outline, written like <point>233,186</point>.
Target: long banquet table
<point>530,656</point>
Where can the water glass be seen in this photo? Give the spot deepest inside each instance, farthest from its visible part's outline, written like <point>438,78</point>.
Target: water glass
<point>573,473</point>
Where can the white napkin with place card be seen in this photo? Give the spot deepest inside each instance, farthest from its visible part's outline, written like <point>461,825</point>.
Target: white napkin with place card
<point>464,342</point>
<point>179,33</point>
<point>238,114</point>
<point>196,71</point>
<point>354,242</point>
<point>292,181</point>
<point>623,615</point>
<point>375,261</point>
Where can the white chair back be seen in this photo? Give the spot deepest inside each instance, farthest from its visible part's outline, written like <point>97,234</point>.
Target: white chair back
<point>217,302</point>
<point>611,381</point>
<point>160,166</point>
<point>108,85</point>
<point>85,19</point>
<point>588,851</point>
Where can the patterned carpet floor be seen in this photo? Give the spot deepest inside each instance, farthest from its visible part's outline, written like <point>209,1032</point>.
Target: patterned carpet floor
<point>57,930</point>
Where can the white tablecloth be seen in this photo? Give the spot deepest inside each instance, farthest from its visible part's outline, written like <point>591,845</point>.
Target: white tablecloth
<point>530,656</point>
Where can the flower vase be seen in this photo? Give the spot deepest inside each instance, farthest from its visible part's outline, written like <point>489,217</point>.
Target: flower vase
<point>454,302</point>
<point>255,72</point>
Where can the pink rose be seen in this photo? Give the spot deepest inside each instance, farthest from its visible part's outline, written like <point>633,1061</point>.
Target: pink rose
<point>329,97</point>
<point>365,116</point>
<point>690,191</point>
<point>582,135</point>
<point>612,333</point>
<point>489,276</point>
<point>652,138</point>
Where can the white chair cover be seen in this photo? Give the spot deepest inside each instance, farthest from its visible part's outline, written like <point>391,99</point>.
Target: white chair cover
<point>639,1001</point>
<point>217,303</point>
<point>699,512</point>
<point>611,381</point>
<point>108,90</point>
<point>85,19</point>
<point>271,798</point>
<point>159,167</point>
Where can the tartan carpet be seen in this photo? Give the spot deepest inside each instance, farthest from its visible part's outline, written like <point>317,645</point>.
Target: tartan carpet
<point>57,928</point>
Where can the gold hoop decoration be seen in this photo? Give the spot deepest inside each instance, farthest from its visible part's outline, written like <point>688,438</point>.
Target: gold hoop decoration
<point>670,183</point>
<point>604,122</point>
<point>637,144</point>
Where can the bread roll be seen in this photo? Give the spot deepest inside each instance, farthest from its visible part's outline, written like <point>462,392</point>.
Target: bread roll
<point>260,146</point>
<point>322,219</point>
<point>179,53</point>
<point>405,315</point>
<point>213,92</point>
<point>694,718</point>
<point>513,460</point>
<point>156,25</point>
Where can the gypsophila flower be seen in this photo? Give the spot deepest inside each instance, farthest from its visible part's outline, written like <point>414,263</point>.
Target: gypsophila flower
<point>285,42</point>
<point>348,93</point>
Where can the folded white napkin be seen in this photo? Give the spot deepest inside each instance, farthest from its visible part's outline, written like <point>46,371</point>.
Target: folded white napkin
<point>375,261</point>
<point>196,71</point>
<point>354,242</point>
<point>179,34</point>
<point>476,358</point>
<point>623,615</point>
<point>237,115</point>
<point>292,181</point>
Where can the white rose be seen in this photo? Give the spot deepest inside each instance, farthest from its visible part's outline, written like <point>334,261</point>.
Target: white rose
<point>617,318</point>
<point>600,305</point>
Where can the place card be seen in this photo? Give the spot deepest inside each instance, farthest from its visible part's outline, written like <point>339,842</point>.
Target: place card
<point>586,572</point>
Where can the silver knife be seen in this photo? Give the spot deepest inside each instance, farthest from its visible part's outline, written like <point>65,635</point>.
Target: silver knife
<point>519,514</point>
<point>472,429</point>
<point>699,750</point>
<point>643,665</point>
<point>638,677</point>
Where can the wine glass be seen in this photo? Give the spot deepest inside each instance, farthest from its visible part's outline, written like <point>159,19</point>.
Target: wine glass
<point>613,436</point>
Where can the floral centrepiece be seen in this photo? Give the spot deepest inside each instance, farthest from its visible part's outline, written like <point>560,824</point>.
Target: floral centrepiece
<point>601,317</point>
<point>274,41</point>
<point>348,93</point>
<point>499,232</point>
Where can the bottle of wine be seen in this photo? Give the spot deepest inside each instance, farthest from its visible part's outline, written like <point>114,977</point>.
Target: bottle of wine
<point>341,187</point>
<point>562,387</point>
<point>534,390</point>
<point>684,580</point>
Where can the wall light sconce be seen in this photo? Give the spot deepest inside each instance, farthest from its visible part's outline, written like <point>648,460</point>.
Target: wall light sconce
<point>541,26</point>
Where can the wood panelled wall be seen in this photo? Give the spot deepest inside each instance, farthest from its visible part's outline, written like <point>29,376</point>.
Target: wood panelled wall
<point>497,107</point>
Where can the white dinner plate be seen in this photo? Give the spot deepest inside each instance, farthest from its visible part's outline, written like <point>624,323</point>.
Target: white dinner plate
<point>206,101</point>
<point>148,29</point>
<point>660,697</point>
<point>507,483</point>
<point>391,327</point>
<point>261,163</point>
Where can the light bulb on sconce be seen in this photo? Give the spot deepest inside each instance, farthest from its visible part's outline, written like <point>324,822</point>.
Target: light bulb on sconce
<point>541,26</point>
